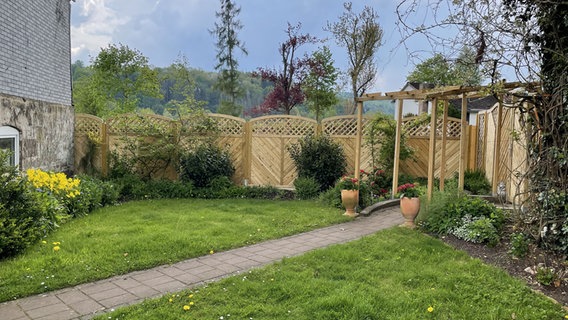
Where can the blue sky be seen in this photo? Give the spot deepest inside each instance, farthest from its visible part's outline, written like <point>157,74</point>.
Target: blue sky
<point>162,29</point>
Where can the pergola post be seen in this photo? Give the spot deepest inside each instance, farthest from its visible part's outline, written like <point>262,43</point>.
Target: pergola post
<point>432,150</point>
<point>495,180</point>
<point>396,162</point>
<point>444,141</point>
<point>463,145</point>
<point>358,140</point>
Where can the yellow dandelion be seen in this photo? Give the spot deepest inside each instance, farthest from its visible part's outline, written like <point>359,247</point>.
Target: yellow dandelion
<point>186,307</point>
<point>211,252</point>
<point>56,248</point>
<point>191,303</point>
<point>171,300</point>
<point>430,309</point>
<point>191,296</point>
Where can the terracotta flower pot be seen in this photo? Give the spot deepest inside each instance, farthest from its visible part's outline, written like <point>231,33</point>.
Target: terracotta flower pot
<point>409,207</point>
<point>350,199</point>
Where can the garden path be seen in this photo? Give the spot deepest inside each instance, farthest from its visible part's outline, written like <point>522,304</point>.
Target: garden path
<point>87,300</point>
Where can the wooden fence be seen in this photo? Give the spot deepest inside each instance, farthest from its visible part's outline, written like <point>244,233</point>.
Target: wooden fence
<point>500,150</point>
<point>258,147</point>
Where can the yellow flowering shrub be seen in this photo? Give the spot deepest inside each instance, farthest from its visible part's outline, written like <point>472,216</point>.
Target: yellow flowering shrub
<point>57,183</point>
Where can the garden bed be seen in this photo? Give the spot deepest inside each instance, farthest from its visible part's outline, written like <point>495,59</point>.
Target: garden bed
<point>518,267</point>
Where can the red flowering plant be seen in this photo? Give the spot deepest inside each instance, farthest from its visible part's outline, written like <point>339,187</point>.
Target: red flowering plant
<point>409,190</point>
<point>378,182</point>
<point>348,183</point>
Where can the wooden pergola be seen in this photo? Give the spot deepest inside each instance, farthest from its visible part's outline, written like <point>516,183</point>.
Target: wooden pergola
<point>435,95</point>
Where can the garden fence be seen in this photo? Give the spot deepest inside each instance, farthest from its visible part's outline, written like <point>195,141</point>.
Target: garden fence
<point>258,147</point>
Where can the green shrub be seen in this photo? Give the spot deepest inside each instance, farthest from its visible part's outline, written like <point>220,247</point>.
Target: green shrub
<point>306,188</point>
<point>204,164</point>
<point>25,215</point>
<point>450,216</point>
<point>320,158</point>
<point>130,186</point>
<point>332,197</point>
<point>167,189</point>
<point>476,230</point>
<point>519,245</point>
<point>476,182</point>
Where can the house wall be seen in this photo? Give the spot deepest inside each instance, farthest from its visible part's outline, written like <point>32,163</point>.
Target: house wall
<point>35,80</point>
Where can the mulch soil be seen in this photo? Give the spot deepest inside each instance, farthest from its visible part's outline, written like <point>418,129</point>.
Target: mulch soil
<point>521,268</point>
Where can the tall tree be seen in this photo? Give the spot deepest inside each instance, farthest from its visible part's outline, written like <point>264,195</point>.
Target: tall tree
<point>287,91</point>
<point>361,35</point>
<point>227,42</point>
<point>442,71</point>
<point>320,83</point>
<point>120,76</point>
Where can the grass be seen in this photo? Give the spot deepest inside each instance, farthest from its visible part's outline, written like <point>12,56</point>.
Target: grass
<point>394,274</point>
<point>143,234</point>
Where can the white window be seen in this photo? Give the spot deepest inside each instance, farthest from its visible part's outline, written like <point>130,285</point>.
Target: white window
<point>10,140</point>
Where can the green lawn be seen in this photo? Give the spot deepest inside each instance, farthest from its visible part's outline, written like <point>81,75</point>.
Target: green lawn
<point>143,234</point>
<point>394,274</point>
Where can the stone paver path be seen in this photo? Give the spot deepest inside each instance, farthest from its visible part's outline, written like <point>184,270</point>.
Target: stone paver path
<point>86,300</point>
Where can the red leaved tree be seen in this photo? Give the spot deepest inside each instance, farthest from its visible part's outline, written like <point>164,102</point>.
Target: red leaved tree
<point>287,81</point>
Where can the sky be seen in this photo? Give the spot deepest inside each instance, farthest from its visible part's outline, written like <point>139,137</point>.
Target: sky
<point>164,29</point>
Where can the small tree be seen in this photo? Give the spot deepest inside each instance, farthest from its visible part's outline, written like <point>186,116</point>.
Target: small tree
<point>287,92</point>
<point>320,83</point>
<point>361,35</point>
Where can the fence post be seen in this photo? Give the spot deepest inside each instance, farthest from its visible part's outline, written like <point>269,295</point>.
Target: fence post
<point>247,152</point>
<point>104,149</point>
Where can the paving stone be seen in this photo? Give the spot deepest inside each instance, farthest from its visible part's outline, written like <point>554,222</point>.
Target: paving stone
<point>143,291</point>
<point>171,271</point>
<point>97,287</point>
<point>171,286</point>
<point>36,302</point>
<point>153,282</point>
<point>86,307</point>
<point>72,296</point>
<point>118,300</point>
<point>11,311</point>
<point>63,315</point>
<point>48,310</point>
<point>115,292</point>
<point>126,283</point>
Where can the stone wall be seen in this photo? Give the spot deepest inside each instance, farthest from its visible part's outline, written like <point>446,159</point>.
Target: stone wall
<point>35,55</point>
<point>35,81</point>
<point>46,132</point>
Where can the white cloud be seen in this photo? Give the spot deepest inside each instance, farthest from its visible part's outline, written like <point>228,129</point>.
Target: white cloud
<point>99,23</point>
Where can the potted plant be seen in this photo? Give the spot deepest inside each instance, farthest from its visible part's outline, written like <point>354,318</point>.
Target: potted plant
<point>409,203</point>
<point>349,187</point>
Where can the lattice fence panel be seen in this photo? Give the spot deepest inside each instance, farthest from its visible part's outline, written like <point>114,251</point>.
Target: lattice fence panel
<point>283,126</point>
<point>229,126</point>
<point>453,127</point>
<point>139,124</point>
